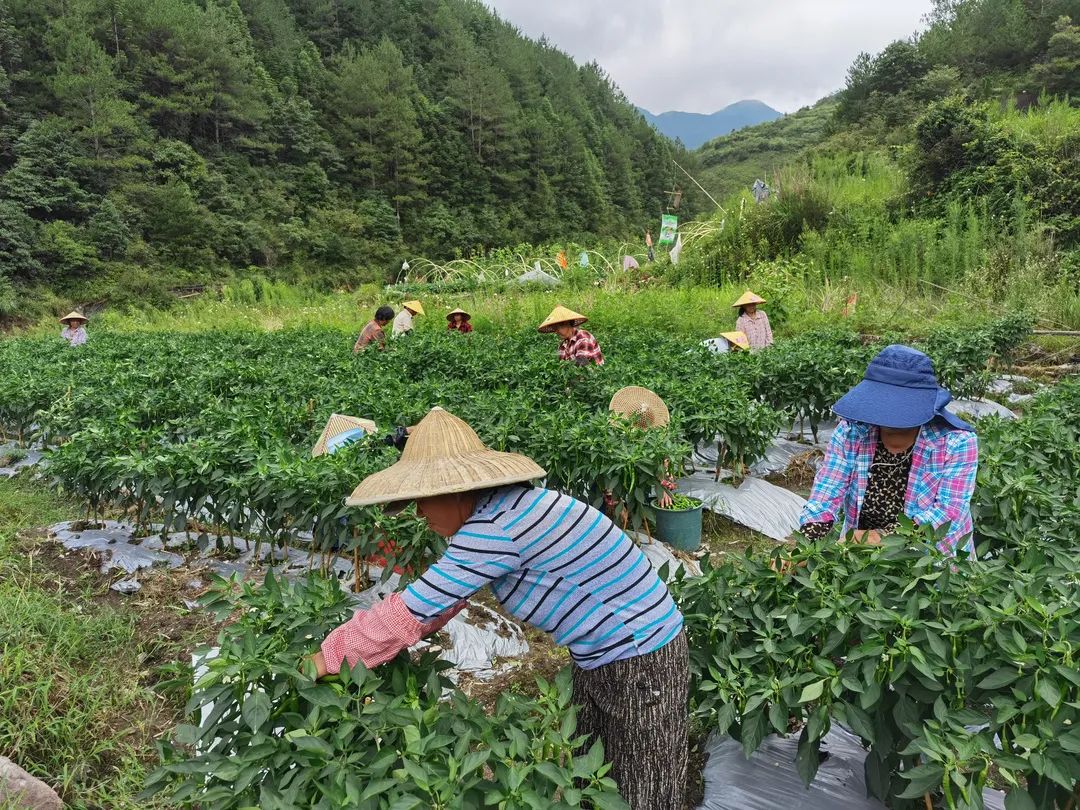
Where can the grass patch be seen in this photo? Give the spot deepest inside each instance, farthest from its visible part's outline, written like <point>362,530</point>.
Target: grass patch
<point>77,704</point>
<point>722,536</point>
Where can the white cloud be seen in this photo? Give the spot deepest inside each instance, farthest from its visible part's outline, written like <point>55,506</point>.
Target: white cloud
<point>701,55</point>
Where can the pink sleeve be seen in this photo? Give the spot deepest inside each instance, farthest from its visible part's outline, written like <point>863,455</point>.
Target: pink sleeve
<point>375,636</point>
<point>768,329</point>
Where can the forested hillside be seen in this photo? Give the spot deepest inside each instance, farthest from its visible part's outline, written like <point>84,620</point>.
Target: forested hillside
<point>143,140</point>
<point>950,162</point>
<point>979,55</point>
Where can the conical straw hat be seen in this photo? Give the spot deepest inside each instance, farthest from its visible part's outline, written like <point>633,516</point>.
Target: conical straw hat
<point>415,306</point>
<point>74,315</point>
<point>641,405</point>
<point>338,424</point>
<point>443,456</point>
<point>450,315</point>
<point>561,315</point>
<point>749,298</point>
<point>737,339</point>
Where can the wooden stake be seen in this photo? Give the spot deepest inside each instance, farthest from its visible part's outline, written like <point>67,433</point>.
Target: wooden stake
<point>356,569</point>
<point>929,803</point>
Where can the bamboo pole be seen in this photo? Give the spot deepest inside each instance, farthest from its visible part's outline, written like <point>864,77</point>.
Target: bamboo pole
<point>696,183</point>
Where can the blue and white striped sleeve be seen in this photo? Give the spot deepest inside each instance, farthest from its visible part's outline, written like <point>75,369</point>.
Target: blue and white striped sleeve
<point>477,555</point>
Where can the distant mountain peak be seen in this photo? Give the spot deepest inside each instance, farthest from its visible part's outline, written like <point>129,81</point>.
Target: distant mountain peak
<point>694,129</point>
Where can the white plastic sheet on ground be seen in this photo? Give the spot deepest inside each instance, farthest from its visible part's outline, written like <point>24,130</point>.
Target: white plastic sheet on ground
<point>112,543</point>
<point>756,504</point>
<point>768,780</point>
<point>978,408</point>
<point>780,455</point>
<point>538,276</point>
<point>32,456</point>
<point>479,636</point>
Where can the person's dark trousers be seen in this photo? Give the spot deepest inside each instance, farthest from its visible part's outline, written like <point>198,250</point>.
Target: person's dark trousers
<point>638,709</point>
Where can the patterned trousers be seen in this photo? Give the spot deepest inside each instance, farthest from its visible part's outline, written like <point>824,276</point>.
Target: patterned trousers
<point>637,707</point>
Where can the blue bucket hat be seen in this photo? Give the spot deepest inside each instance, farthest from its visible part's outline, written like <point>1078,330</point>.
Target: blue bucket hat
<point>899,390</point>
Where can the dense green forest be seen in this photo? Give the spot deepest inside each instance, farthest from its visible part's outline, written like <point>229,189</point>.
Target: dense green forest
<point>160,141</point>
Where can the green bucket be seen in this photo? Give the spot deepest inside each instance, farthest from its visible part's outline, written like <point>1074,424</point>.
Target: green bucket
<point>680,528</point>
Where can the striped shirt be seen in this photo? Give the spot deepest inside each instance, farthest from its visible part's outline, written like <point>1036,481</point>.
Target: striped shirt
<point>557,564</point>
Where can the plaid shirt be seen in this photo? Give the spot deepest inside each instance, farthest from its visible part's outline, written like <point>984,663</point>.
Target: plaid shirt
<point>581,345</point>
<point>757,329</point>
<point>939,491</point>
<point>76,336</point>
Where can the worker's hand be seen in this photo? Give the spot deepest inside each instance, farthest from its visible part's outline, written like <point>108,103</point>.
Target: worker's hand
<point>439,622</point>
<point>320,665</point>
<point>870,537</point>
<point>664,501</point>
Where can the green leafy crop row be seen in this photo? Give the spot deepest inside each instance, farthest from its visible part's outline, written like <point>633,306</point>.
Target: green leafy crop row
<point>948,670</point>
<point>218,426</point>
<point>265,734</point>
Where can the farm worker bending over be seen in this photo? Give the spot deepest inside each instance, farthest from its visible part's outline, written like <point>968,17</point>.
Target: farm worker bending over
<point>458,321</point>
<point>896,451</point>
<point>645,410</point>
<point>577,345</point>
<point>554,562</point>
<point>753,322</point>
<point>373,331</point>
<point>403,323</point>
<point>74,331</point>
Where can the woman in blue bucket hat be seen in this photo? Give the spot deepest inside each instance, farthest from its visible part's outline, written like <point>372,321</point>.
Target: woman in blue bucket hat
<point>896,450</point>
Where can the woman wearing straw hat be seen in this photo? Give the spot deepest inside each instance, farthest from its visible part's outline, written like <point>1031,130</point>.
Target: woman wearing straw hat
<point>753,322</point>
<point>554,562</point>
<point>457,320</point>
<point>897,451</point>
<point>578,346</point>
<point>403,323</point>
<point>644,410</point>
<point>74,331</point>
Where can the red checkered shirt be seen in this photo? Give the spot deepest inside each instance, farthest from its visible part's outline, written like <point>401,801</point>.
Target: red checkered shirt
<point>581,345</point>
<point>377,635</point>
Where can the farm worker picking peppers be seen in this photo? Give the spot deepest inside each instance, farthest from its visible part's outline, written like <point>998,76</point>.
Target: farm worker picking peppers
<point>577,346</point>
<point>554,562</point>
<point>897,450</point>
<point>645,410</point>
<point>403,323</point>
<point>753,322</point>
<point>373,331</point>
<point>74,331</point>
<point>458,321</point>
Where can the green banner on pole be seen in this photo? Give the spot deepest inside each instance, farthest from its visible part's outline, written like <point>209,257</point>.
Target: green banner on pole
<point>669,224</point>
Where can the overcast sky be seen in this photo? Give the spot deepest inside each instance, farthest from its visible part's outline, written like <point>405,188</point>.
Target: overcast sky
<point>701,55</point>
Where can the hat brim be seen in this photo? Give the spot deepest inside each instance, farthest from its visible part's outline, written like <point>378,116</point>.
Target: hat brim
<point>412,480</point>
<point>891,406</point>
<point>548,328</point>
